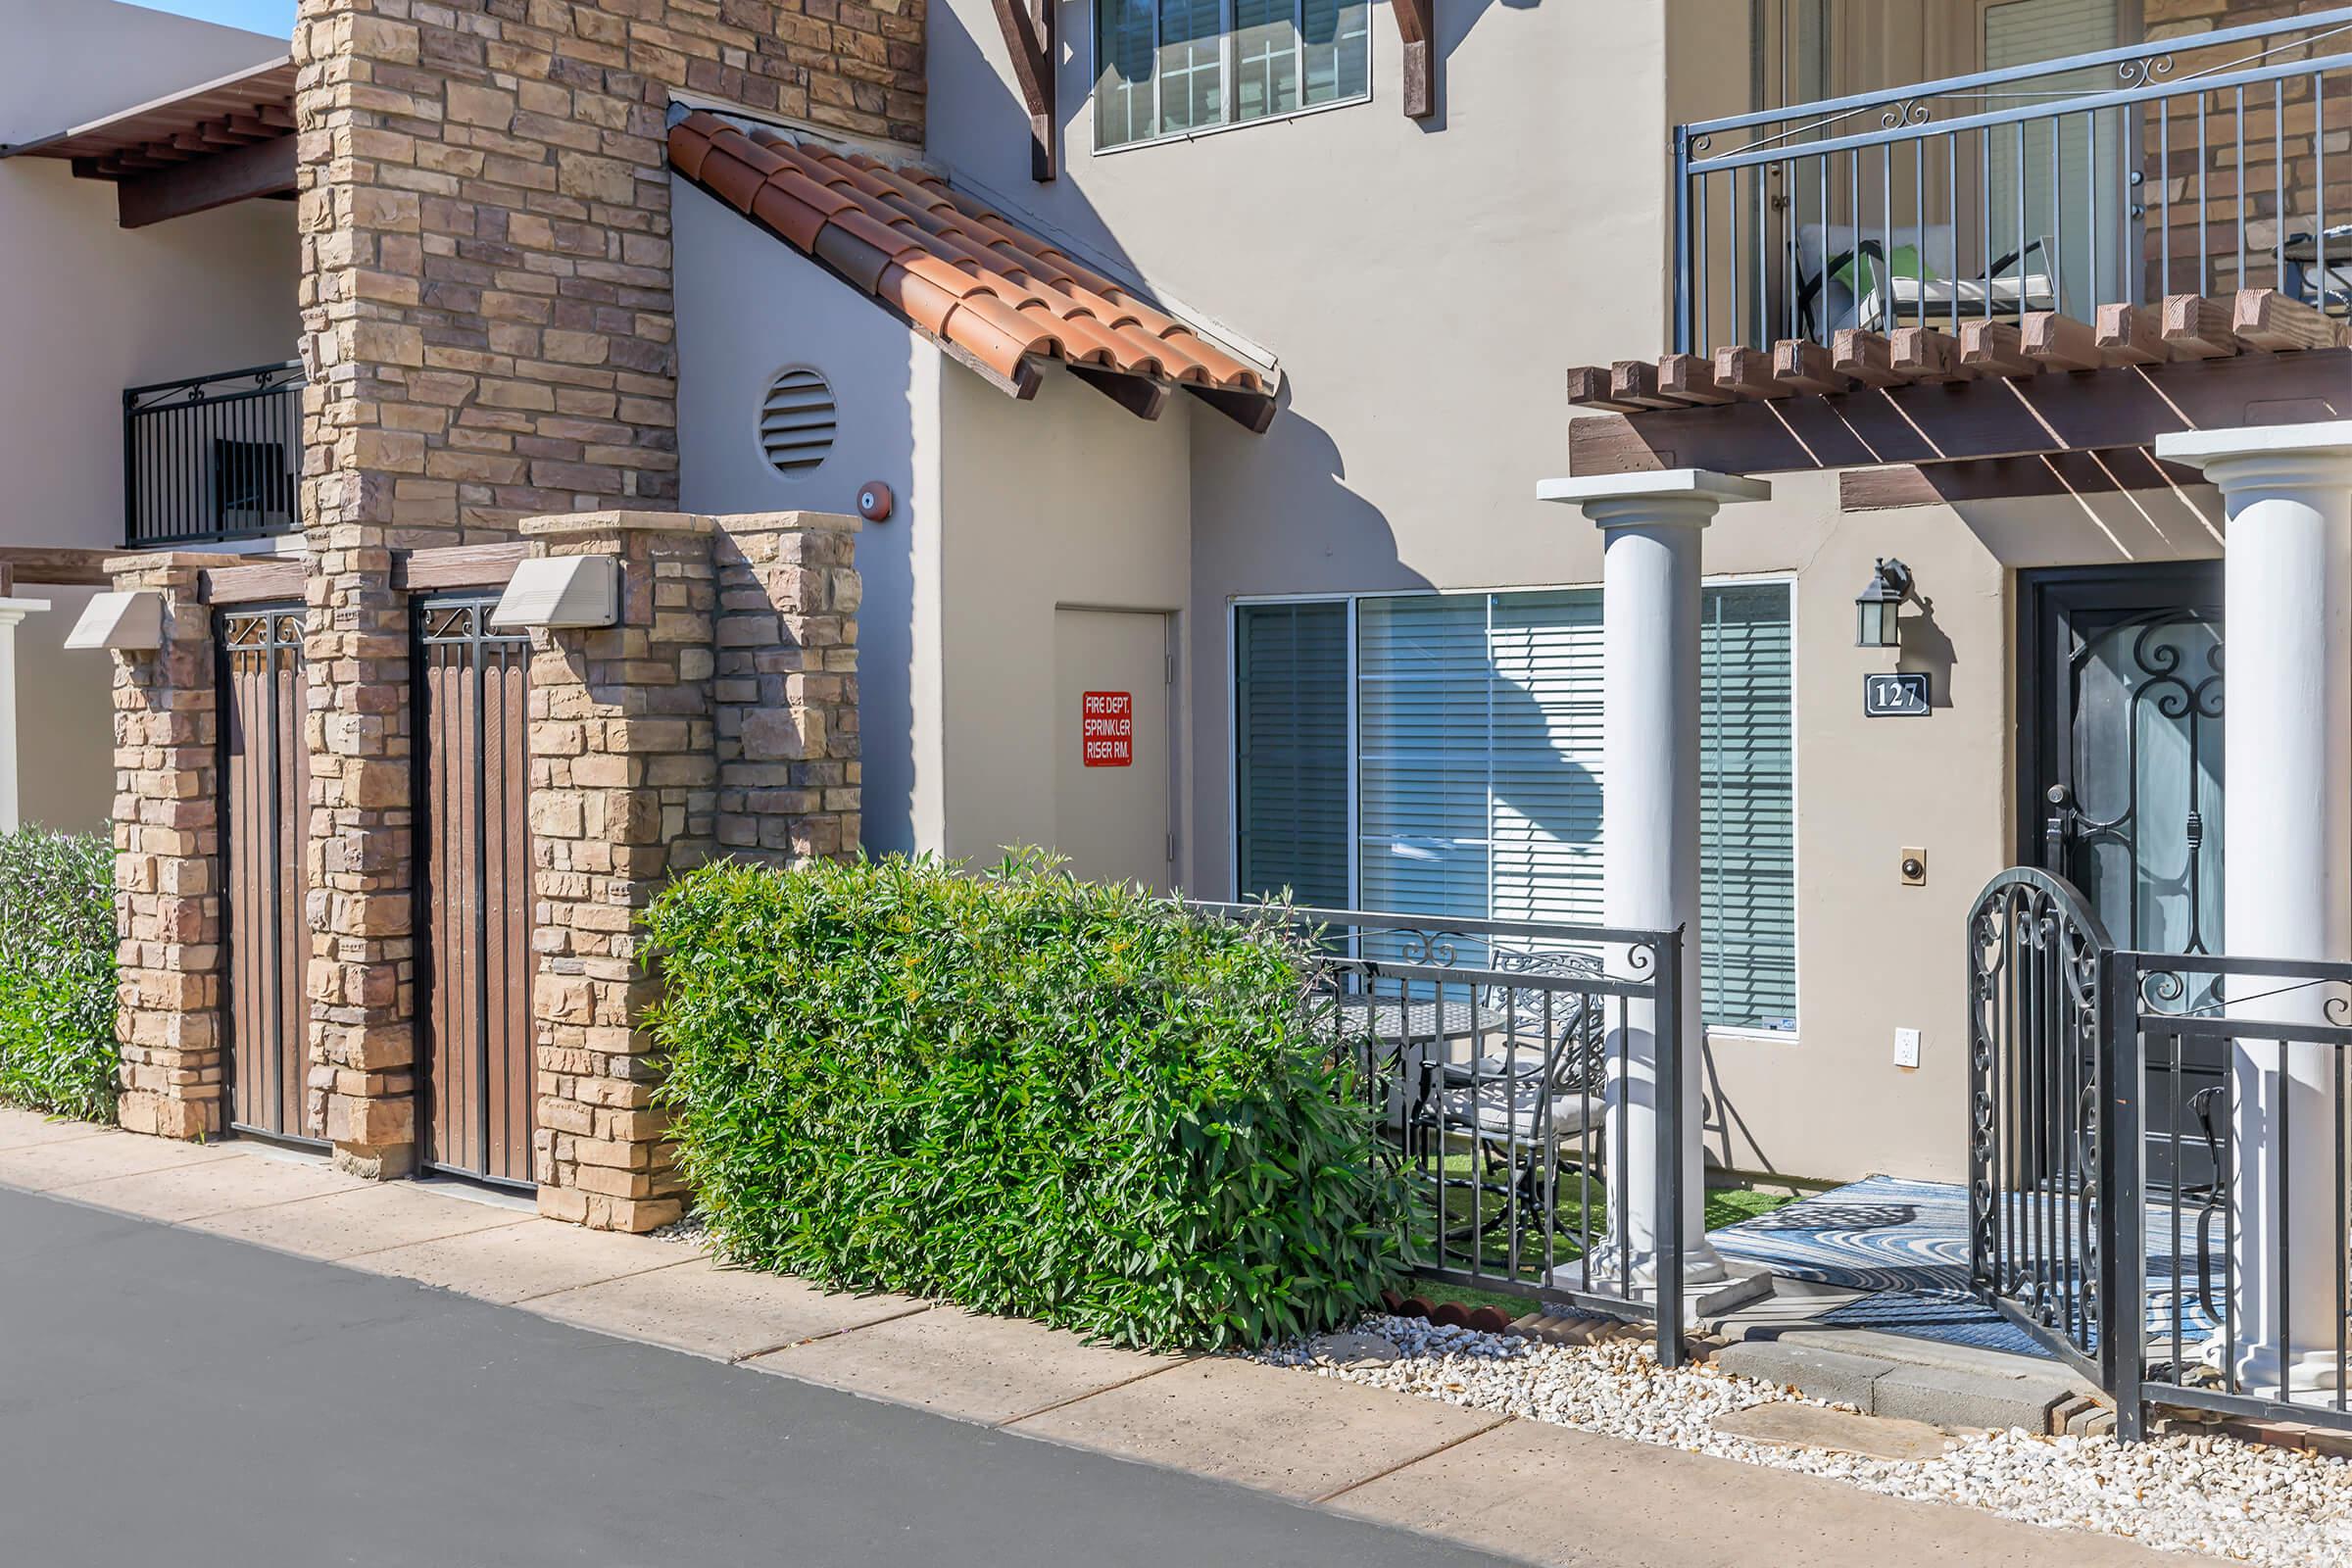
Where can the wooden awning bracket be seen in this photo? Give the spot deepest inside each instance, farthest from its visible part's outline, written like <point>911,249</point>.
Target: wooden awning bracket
<point>1029,35</point>
<point>1416,23</point>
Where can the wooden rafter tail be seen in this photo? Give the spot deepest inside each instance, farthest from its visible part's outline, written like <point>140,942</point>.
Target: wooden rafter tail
<point>1803,365</point>
<point>2058,342</point>
<point>2198,328</point>
<point>2130,334</point>
<point>1252,411</point>
<point>1143,395</point>
<point>1029,37</point>
<point>1589,388</point>
<point>1864,356</point>
<point>1924,354</point>
<point>1689,378</point>
<point>2270,320</point>
<point>1635,385</point>
<point>1747,374</point>
<point>1994,348</point>
<point>1416,23</point>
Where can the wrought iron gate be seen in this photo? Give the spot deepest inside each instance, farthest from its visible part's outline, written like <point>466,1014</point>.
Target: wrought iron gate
<point>474,876</point>
<point>2038,1168</point>
<point>265,766</point>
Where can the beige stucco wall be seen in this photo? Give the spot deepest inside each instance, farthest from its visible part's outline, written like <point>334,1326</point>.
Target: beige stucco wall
<point>88,309</point>
<point>1066,499</point>
<point>1424,287</point>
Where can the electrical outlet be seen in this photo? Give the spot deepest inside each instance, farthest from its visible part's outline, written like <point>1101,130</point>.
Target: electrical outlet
<point>1906,1048</point>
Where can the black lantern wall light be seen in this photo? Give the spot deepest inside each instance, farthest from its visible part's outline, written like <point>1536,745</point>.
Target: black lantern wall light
<point>1877,605</point>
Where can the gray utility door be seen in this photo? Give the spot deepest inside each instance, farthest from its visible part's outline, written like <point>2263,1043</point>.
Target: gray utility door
<point>265,770</point>
<point>474,862</point>
<point>2124,762</point>
<point>1113,745</point>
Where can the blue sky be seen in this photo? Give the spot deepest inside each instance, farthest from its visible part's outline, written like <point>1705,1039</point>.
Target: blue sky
<point>274,17</point>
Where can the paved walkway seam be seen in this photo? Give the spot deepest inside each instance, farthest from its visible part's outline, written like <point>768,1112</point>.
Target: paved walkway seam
<point>830,1334</point>
<point>1453,1443</point>
<point>1077,1399</point>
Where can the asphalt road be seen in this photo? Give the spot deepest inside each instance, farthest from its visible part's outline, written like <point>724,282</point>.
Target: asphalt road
<point>170,1398</point>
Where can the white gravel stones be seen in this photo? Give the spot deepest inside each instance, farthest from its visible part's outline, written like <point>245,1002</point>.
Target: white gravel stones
<point>2278,1507</point>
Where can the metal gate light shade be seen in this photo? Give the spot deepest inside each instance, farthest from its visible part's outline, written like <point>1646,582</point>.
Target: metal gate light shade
<point>132,621</point>
<point>562,591</point>
<point>1877,605</point>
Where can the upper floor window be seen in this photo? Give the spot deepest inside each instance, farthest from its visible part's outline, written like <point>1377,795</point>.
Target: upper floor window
<point>1170,68</point>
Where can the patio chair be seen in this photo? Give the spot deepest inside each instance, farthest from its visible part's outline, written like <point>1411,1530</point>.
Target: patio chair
<point>1900,279</point>
<point>2327,288</point>
<point>1539,1088</point>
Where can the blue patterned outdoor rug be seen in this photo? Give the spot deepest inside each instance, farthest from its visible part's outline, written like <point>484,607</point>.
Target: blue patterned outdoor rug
<point>1906,1243</point>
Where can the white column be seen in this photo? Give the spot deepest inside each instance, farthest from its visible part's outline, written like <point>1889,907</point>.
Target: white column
<point>1650,525</point>
<point>12,610</point>
<point>2287,866</point>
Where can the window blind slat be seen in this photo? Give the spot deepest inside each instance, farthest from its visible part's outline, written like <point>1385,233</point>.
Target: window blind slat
<point>1479,777</point>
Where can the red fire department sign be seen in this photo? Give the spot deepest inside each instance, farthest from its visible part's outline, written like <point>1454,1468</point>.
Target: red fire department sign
<point>1107,729</point>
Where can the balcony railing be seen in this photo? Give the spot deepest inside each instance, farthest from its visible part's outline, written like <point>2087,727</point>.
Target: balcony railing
<point>216,456</point>
<point>2197,165</point>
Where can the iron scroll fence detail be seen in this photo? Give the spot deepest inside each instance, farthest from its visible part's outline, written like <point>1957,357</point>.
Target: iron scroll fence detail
<point>2184,1251</point>
<point>1500,1059</point>
<point>2039,1151</point>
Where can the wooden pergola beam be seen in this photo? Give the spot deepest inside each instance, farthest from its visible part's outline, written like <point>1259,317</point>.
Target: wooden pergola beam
<point>1029,37</point>
<point>1773,430</point>
<point>1416,24</point>
<point>263,169</point>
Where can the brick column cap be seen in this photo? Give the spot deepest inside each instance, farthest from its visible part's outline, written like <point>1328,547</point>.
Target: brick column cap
<point>564,524</point>
<point>781,521</point>
<point>178,561</point>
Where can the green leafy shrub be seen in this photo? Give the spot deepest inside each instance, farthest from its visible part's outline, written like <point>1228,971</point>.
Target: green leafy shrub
<point>57,973</point>
<point>1030,1095</point>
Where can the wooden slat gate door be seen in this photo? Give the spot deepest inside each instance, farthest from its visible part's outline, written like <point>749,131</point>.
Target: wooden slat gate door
<point>267,773</point>
<point>475,881</point>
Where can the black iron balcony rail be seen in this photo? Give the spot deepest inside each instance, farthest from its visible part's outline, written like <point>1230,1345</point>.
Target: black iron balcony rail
<point>2197,165</point>
<point>212,458</point>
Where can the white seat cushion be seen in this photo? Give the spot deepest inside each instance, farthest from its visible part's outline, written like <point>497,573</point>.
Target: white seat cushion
<point>1514,1110</point>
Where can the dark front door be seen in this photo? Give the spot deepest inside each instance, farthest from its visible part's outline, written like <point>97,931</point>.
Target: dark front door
<point>2122,764</point>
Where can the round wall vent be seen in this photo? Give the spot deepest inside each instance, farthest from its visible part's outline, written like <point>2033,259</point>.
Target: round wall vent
<point>796,423</point>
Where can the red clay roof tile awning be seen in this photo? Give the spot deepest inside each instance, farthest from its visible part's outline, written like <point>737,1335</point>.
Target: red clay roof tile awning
<point>993,295</point>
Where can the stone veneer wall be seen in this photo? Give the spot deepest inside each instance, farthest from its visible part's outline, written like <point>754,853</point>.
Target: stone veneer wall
<point>647,754</point>
<point>786,694</point>
<point>2287,133</point>
<point>488,324</point>
<point>169,876</point>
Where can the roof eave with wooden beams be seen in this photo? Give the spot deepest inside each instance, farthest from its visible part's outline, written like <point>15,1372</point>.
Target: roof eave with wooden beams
<point>224,141</point>
<point>2025,406</point>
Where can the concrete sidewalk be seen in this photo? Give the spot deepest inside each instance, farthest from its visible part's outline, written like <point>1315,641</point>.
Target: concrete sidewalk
<point>1524,1489</point>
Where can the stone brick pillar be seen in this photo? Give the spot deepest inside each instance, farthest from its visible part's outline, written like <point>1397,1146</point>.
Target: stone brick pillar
<point>169,881</point>
<point>787,687</point>
<point>623,795</point>
<point>360,909</point>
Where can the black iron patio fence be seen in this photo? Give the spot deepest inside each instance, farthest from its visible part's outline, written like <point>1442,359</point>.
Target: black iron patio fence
<point>214,457</point>
<point>1501,1058</point>
<point>2161,1160</point>
<point>2198,164</point>
<point>2233,1268</point>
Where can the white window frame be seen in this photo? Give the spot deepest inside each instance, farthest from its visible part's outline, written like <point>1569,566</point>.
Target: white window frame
<point>1233,773</point>
<point>1230,83</point>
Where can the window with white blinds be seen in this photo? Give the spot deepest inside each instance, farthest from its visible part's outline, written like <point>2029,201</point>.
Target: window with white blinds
<point>1474,786</point>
